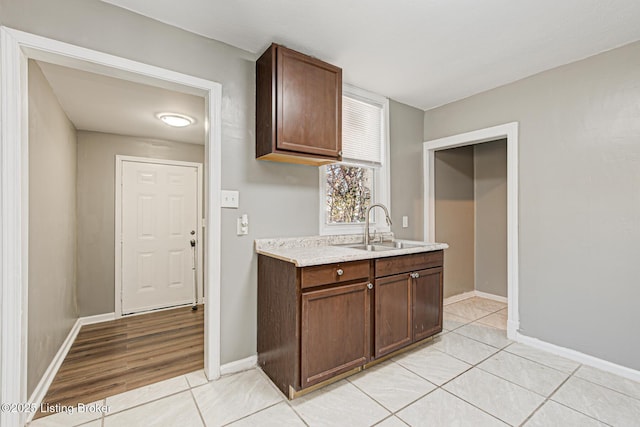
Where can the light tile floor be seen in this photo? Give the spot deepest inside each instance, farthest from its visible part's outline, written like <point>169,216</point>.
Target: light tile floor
<point>470,375</point>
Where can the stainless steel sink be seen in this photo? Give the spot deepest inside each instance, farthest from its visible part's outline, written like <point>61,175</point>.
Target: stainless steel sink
<point>400,245</point>
<point>383,246</point>
<point>370,248</point>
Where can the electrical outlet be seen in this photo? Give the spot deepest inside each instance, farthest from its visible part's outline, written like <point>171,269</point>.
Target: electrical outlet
<point>405,221</point>
<point>230,199</point>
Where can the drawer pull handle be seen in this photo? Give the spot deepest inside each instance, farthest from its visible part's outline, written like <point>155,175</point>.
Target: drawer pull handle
<point>370,286</point>
<point>339,272</point>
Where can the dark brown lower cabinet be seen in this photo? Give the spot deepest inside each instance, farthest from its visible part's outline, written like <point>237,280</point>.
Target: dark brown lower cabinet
<point>335,331</point>
<point>408,309</point>
<point>427,303</point>
<point>393,314</point>
<point>315,323</point>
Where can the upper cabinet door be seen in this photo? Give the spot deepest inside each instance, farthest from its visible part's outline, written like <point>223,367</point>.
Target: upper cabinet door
<point>298,108</point>
<point>309,105</point>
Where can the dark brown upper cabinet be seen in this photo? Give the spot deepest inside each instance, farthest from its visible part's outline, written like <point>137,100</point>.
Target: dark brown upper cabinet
<point>298,108</point>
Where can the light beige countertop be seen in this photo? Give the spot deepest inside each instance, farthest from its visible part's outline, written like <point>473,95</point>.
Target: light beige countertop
<point>317,250</point>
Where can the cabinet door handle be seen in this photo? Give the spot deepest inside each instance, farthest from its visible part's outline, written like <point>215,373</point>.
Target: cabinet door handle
<point>339,272</point>
<point>415,275</point>
<point>369,285</point>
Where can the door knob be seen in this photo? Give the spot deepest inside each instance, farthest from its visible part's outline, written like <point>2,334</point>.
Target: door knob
<point>369,285</point>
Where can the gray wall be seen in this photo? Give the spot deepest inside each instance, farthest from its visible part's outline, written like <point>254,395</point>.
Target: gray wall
<point>96,194</point>
<point>52,227</point>
<point>579,204</point>
<point>280,199</point>
<point>268,191</point>
<point>490,180</point>
<point>405,134</point>
<point>454,211</point>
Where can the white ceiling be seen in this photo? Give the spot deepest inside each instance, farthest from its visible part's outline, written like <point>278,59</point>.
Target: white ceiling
<point>105,104</point>
<point>424,53</point>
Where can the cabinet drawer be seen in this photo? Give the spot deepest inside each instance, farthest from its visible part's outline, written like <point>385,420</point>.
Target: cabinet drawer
<point>405,263</point>
<point>333,273</point>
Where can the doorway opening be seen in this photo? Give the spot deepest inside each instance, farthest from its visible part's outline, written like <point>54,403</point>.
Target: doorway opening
<point>17,49</point>
<point>459,166</point>
<point>471,216</point>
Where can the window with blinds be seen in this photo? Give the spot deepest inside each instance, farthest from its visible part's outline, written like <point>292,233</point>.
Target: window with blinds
<point>362,131</point>
<point>350,187</point>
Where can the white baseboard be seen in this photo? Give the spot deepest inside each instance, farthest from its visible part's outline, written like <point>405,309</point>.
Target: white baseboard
<point>239,365</point>
<point>513,334</point>
<point>493,297</point>
<point>459,297</point>
<point>98,318</point>
<point>577,356</point>
<point>47,378</point>
<point>466,295</point>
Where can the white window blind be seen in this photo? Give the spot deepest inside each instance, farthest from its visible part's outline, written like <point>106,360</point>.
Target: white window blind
<point>362,131</point>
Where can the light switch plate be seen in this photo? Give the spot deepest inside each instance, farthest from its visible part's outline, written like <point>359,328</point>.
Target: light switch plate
<point>405,221</point>
<point>230,199</point>
<point>242,228</point>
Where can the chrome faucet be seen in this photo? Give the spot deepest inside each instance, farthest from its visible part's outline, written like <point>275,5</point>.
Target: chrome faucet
<point>367,237</point>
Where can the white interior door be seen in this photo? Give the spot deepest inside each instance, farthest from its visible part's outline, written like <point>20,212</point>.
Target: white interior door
<point>159,212</point>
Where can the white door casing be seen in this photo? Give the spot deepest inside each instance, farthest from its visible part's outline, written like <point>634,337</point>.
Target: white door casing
<point>510,132</point>
<point>15,48</point>
<point>159,210</point>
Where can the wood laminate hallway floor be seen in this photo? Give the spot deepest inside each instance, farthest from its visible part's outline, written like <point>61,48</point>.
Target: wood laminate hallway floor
<point>113,357</point>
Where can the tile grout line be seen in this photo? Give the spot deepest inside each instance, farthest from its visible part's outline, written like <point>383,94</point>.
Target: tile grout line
<point>477,367</point>
<point>441,387</point>
<point>468,300</point>
<point>195,402</point>
<point>472,366</point>
<point>569,375</point>
<point>477,407</point>
<point>573,375</point>
<point>284,397</point>
<point>150,401</point>
<point>389,417</point>
<point>548,398</point>
<point>498,350</point>
<point>482,342</point>
<point>604,386</point>
<point>392,413</point>
<point>251,414</point>
<point>288,402</point>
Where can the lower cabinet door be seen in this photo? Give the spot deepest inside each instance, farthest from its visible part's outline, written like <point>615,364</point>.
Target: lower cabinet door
<point>334,331</point>
<point>427,303</point>
<point>393,313</point>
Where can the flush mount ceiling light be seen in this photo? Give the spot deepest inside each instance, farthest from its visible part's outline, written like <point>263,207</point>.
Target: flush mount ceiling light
<point>176,120</point>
